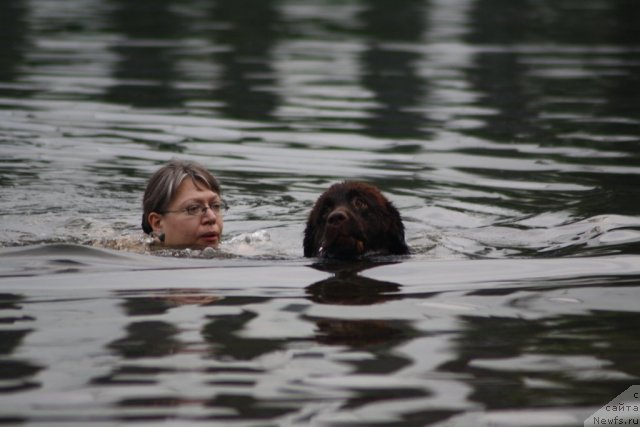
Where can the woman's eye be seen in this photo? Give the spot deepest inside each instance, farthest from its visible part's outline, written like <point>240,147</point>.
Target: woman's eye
<point>193,209</point>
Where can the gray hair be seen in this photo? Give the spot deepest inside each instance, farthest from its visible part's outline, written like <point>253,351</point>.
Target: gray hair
<point>164,183</point>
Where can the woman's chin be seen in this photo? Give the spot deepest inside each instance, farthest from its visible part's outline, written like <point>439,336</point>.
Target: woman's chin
<point>207,243</point>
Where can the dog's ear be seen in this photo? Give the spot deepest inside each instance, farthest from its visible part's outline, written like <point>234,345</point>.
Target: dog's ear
<point>395,231</point>
<point>308,244</point>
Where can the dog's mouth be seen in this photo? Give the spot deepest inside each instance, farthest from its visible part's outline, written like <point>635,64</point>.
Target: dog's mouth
<point>341,246</point>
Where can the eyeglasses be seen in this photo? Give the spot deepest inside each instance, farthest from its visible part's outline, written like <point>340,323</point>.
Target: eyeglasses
<point>198,209</point>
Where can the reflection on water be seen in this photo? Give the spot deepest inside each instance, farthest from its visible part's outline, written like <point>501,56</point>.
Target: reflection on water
<point>246,33</point>
<point>16,375</point>
<point>145,72</point>
<point>507,134</point>
<point>330,343</point>
<point>346,286</point>
<point>200,344</point>
<point>392,75</point>
<point>13,26</point>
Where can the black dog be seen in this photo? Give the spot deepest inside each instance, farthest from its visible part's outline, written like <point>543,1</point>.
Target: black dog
<point>352,219</point>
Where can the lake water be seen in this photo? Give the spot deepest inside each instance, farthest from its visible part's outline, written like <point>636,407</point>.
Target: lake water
<point>506,132</point>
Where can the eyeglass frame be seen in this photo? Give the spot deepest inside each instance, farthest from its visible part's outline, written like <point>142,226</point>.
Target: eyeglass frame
<point>215,207</point>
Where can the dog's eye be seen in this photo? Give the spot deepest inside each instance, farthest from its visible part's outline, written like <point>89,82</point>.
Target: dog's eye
<point>326,208</point>
<point>360,204</point>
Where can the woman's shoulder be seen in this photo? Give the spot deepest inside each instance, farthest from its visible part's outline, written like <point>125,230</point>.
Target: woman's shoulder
<point>138,243</point>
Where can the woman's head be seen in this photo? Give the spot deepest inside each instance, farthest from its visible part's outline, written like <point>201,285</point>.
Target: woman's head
<point>183,203</point>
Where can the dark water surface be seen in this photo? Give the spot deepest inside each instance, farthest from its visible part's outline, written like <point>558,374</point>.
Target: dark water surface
<point>506,132</point>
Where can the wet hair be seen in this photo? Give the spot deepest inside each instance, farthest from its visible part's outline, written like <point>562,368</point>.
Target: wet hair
<point>164,183</point>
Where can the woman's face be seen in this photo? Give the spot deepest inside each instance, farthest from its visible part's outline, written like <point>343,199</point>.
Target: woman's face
<point>191,231</point>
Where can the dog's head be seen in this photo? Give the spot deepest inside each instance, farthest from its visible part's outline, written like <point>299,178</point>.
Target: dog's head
<point>351,219</point>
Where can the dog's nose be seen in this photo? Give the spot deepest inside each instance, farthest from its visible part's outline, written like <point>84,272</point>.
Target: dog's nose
<point>337,217</point>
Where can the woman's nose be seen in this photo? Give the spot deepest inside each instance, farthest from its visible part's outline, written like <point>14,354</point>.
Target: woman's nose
<point>210,214</point>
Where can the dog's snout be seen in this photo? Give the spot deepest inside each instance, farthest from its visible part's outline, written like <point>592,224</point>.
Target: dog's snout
<point>337,217</point>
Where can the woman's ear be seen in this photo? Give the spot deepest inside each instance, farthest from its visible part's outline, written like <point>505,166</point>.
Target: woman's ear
<point>155,221</point>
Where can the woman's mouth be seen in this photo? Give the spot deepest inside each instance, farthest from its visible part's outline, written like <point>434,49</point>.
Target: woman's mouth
<point>210,237</point>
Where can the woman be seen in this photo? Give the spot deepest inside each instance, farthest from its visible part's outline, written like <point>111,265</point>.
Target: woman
<point>182,206</point>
